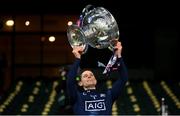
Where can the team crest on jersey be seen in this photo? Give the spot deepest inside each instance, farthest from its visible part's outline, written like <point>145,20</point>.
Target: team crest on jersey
<point>95,105</point>
<point>102,95</point>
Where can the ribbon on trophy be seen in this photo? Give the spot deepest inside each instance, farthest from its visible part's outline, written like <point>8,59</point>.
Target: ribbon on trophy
<point>110,64</point>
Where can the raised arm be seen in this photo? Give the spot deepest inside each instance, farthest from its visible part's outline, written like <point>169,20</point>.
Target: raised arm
<point>122,79</point>
<point>71,76</point>
<point>122,70</point>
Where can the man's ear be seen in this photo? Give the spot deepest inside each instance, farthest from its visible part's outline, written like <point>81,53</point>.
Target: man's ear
<point>80,83</point>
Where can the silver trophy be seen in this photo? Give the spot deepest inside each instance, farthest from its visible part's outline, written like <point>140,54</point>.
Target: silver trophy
<point>97,28</point>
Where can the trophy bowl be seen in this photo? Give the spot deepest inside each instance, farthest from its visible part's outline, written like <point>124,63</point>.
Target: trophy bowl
<point>98,29</point>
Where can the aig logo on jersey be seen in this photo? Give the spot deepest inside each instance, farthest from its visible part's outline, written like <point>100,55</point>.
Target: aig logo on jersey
<point>95,105</point>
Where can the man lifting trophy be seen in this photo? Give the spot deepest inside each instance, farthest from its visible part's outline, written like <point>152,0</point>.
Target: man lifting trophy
<point>97,28</point>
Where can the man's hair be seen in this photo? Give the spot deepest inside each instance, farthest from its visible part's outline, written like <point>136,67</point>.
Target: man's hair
<point>84,69</point>
<point>98,73</point>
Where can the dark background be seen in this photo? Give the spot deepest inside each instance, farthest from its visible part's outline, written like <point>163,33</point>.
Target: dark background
<point>149,31</point>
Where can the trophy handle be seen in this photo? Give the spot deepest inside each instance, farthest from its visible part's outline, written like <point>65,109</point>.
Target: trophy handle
<point>76,37</point>
<point>84,12</point>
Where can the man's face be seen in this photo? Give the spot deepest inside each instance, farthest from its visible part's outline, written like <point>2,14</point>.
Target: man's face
<point>88,79</point>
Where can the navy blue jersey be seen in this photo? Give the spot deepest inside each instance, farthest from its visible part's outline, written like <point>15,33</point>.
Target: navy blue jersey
<point>92,102</point>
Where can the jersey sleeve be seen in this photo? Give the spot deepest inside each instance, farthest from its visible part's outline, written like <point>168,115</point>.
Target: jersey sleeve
<point>121,81</point>
<point>71,80</point>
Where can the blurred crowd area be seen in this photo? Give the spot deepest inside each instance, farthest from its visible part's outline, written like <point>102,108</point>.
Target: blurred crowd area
<point>47,96</point>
